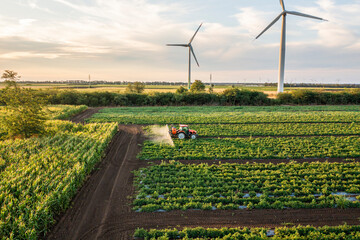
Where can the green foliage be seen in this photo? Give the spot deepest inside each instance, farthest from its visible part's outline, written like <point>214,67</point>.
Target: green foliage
<point>283,233</point>
<point>174,185</point>
<point>66,111</point>
<point>197,86</point>
<point>40,176</point>
<point>317,97</point>
<point>211,89</point>
<point>136,87</point>
<point>10,77</point>
<point>181,90</point>
<point>220,114</point>
<point>276,129</point>
<point>25,116</point>
<point>254,148</point>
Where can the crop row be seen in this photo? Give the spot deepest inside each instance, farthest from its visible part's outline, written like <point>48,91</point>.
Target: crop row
<point>40,176</point>
<point>217,115</point>
<point>276,129</point>
<point>170,186</point>
<point>64,112</point>
<point>253,148</point>
<point>299,232</point>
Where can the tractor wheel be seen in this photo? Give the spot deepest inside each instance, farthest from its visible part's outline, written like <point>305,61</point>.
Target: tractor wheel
<point>181,135</point>
<point>193,136</point>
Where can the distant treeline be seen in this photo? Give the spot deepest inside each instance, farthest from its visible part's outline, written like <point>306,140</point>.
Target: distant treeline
<point>315,85</point>
<point>99,82</point>
<point>230,97</point>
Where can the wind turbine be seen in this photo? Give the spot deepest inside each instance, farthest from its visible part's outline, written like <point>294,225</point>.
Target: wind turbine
<point>283,40</point>
<point>191,51</point>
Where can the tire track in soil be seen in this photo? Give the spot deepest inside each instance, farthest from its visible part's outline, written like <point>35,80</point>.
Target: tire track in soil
<point>102,209</point>
<point>81,117</point>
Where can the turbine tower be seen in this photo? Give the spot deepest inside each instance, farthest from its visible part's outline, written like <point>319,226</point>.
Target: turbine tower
<point>191,51</point>
<point>283,14</point>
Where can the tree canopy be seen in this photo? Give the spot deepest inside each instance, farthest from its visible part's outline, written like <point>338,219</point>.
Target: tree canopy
<point>24,109</point>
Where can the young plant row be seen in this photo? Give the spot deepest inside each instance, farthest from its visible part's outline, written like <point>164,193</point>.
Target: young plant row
<point>276,129</point>
<point>194,115</point>
<point>40,176</point>
<point>171,186</point>
<point>64,112</point>
<point>281,233</point>
<point>253,148</point>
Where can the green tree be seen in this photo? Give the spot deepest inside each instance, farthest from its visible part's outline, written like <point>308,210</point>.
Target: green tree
<point>181,90</point>
<point>211,88</point>
<point>139,87</point>
<point>197,86</point>
<point>136,87</point>
<point>24,110</point>
<point>10,77</point>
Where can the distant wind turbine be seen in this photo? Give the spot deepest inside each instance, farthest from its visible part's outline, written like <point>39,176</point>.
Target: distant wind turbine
<point>191,51</point>
<point>283,40</point>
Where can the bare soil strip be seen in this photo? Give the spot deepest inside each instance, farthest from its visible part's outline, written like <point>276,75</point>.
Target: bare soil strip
<point>81,117</point>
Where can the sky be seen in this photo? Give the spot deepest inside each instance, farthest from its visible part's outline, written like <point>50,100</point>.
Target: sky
<point>125,40</point>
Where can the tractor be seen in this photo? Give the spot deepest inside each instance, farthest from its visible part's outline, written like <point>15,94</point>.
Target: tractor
<point>183,132</point>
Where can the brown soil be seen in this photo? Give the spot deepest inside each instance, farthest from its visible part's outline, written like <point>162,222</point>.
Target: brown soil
<point>102,209</point>
<point>81,117</point>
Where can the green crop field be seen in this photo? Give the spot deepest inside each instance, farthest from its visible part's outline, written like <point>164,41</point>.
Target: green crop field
<point>253,148</point>
<point>209,115</point>
<point>276,129</point>
<point>40,176</point>
<point>233,186</point>
<point>281,233</point>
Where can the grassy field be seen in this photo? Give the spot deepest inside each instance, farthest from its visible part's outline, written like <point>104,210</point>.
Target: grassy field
<point>270,91</point>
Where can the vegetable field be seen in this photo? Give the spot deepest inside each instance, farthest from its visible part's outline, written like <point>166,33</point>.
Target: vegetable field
<point>40,176</point>
<point>276,129</point>
<point>209,115</point>
<point>253,148</point>
<point>240,186</point>
<point>300,232</point>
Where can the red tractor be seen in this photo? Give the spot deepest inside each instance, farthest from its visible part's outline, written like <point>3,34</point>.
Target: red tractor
<point>183,132</point>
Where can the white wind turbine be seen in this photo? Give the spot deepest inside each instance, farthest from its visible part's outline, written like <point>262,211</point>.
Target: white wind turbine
<point>191,51</point>
<point>283,40</point>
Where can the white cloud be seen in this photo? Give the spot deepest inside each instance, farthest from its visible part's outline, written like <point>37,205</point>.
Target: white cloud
<point>17,55</point>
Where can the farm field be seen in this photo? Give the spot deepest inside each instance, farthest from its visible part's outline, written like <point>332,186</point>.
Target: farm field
<point>341,232</point>
<point>214,182</point>
<point>171,186</point>
<point>276,129</point>
<point>233,115</point>
<point>40,176</point>
<point>61,112</point>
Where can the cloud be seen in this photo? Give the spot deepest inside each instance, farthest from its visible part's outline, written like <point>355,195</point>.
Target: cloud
<point>17,55</point>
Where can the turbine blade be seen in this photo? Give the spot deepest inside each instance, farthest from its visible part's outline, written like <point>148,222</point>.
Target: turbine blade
<point>192,51</point>
<point>282,4</point>
<point>304,15</point>
<point>270,25</point>
<point>177,45</point>
<point>195,33</point>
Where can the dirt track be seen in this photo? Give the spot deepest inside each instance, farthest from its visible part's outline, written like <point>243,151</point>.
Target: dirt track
<point>102,209</point>
<point>80,118</point>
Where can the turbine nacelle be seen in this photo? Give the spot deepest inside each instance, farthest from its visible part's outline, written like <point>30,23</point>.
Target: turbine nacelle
<point>188,45</point>
<point>283,39</point>
<point>191,51</point>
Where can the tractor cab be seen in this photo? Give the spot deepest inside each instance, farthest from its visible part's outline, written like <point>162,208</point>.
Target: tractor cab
<point>183,132</point>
